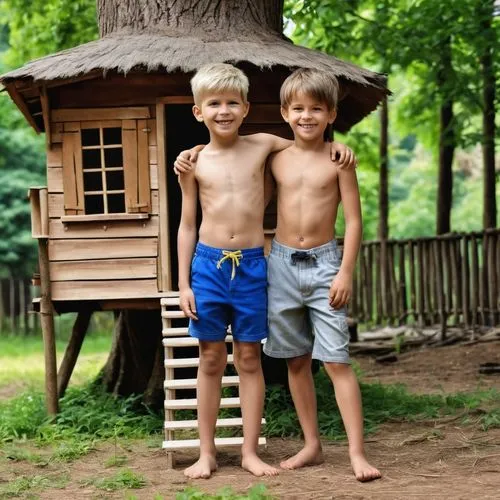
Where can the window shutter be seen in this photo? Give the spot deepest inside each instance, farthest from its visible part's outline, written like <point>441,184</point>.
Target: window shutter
<point>72,170</point>
<point>136,166</point>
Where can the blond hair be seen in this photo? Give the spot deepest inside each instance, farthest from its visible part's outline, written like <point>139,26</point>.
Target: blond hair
<point>219,77</point>
<point>318,84</point>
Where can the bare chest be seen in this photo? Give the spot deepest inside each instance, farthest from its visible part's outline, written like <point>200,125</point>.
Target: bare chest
<point>320,177</point>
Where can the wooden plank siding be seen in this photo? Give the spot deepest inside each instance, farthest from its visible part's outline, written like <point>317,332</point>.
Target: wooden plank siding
<point>104,290</point>
<point>95,230</point>
<point>104,269</point>
<point>105,248</point>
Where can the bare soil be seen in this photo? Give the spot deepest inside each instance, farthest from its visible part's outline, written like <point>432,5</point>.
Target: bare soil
<point>439,459</point>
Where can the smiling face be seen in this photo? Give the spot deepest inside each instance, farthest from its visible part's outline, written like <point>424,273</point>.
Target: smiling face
<point>222,112</point>
<point>307,116</point>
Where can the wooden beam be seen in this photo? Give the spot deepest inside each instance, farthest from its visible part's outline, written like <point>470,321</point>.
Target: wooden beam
<point>83,114</point>
<point>73,350</point>
<point>48,331</point>
<point>164,272</point>
<point>44,101</point>
<point>21,104</point>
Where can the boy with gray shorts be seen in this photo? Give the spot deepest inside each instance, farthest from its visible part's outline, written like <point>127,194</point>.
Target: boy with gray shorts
<point>308,282</point>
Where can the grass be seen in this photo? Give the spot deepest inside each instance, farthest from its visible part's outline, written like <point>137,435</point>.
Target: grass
<point>257,492</point>
<point>23,484</point>
<point>122,479</point>
<point>22,364</point>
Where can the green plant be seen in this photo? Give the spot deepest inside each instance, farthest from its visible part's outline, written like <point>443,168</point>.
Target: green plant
<point>257,492</point>
<point>123,479</point>
<point>25,484</point>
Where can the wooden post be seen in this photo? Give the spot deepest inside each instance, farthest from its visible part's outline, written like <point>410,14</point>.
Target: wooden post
<point>378,285</point>
<point>492,280</point>
<point>47,320</point>
<point>73,349</point>
<point>403,304</point>
<point>438,266</point>
<point>368,262</point>
<point>474,282</point>
<point>413,283</point>
<point>455,280</point>
<point>465,282</point>
<point>421,285</point>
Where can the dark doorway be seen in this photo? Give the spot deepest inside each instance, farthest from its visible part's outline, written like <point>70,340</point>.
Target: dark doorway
<point>182,132</point>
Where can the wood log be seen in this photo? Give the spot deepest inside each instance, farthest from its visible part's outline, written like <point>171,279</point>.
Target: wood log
<point>68,363</point>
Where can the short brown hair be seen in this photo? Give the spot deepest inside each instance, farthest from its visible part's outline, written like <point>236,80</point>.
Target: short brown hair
<point>318,84</point>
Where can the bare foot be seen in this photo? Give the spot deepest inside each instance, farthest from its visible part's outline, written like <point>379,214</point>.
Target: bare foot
<point>203,468</point>
<point>309,455</point>
<point>363,470</point>
<point>253,464</point>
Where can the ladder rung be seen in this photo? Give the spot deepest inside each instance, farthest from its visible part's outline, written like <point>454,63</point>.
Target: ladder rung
<point>191,404</point>
<point>189,362</point>
<point>175,332</point>
<point>186,341</point>
<point>172,314</point>
<point>195,443</point>
<point>170,301</point>
<point>190,383</point>
<point>193,424</point>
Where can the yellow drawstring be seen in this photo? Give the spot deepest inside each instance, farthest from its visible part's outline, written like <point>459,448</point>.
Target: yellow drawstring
<point>235,259</point>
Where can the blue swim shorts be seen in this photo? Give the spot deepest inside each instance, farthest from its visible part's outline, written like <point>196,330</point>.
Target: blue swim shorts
<point>230,288</point>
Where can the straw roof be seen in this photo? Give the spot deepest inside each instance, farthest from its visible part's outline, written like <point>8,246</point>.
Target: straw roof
<point>168,50</point>
<point>152,51</point>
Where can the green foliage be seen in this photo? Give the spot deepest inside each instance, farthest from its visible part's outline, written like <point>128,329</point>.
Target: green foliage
<point>123,479</point>
<point>41,27</point>
<point>87,415</point>
<point>257,492</point>
<point>381,403</point>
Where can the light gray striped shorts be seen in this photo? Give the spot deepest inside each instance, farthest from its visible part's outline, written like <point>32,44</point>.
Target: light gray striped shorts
<point>300,317</point>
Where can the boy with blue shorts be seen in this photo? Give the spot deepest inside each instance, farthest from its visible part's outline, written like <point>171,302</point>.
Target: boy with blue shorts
<point>309,283</point>
<point>223,276</point>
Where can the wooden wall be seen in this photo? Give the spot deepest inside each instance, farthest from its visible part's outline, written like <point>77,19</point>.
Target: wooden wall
<point>106,259</point>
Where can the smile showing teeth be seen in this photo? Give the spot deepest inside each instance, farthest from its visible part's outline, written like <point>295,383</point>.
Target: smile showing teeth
<point>224,122</point>
<point>306,125</point>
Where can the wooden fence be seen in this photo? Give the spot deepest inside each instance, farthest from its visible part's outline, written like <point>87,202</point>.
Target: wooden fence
<point>15,306</point>
<point>447,280</point>
<point>451,279</point>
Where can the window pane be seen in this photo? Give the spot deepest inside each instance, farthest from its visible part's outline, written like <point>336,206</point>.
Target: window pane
<point>94,204</point>
<point>112,135</point>
<point>90,137</point>
<point>114,180</point>
<point>116,203</point>
<point>91,158</point>
<point>92,181</point>
<point>113,157</point>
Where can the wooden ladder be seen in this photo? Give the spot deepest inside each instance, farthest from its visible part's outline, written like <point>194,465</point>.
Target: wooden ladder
<point>175,337</point>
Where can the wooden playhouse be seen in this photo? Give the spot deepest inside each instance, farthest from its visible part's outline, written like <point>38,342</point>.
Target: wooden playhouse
<point>116,112</point>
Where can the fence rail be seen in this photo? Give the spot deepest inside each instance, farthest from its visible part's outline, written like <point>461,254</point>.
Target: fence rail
<point>448,279</point>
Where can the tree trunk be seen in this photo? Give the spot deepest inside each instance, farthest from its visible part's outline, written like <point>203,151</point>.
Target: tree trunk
<point>383,198</point>
<point>446,145</point>
<point>135,363</point>
<point>488,71</point>
<point>222,19</point>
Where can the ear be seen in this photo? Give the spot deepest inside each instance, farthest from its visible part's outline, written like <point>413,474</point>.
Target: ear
<point>197,113</point>
<point>247,109</point>
<point>284,113</point>
<point>333,116</point>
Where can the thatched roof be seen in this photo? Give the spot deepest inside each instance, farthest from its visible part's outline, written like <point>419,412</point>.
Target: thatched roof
<point>171,50</point>
<point>153,52</point>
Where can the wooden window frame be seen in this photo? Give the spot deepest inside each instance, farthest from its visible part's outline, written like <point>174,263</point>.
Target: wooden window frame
<point>135,151</point>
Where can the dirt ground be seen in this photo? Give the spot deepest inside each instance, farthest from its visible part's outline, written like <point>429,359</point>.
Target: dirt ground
<point>432,460</point>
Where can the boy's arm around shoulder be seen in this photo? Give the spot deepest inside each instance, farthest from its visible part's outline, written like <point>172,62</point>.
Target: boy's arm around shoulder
<point>186,240</point>
<point>341,287</point>
<point>351,202</point>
